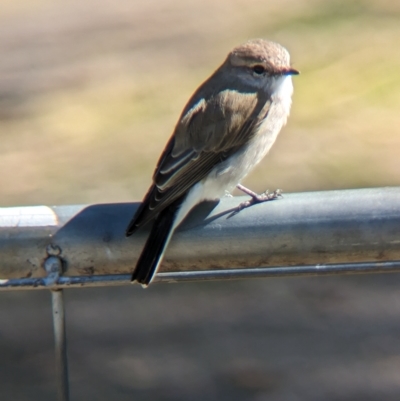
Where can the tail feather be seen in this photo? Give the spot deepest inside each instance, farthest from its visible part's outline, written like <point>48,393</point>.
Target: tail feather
<point>156,245</point>
<point>143,214</point>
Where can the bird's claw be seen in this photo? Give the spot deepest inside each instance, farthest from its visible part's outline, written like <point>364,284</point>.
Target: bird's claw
<point>259,198</point>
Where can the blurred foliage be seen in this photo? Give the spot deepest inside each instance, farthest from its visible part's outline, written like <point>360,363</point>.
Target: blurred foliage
<point>90,92</point>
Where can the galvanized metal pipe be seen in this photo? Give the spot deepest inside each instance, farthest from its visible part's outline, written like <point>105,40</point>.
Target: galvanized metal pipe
<point>305,229</point>
<point>60,342</point>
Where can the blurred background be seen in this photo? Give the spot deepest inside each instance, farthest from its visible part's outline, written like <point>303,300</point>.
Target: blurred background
<point>89,94</point>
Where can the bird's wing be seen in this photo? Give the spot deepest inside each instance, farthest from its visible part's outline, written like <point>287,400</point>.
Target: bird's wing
<point>207,134</point>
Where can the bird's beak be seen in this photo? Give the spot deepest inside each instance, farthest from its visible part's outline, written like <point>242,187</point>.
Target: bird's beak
<point>291,71</point>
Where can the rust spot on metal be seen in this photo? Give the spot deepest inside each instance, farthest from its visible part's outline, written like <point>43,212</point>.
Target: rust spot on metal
<point>89,271</point>
<point>53,250</point>
<point>381,255</point>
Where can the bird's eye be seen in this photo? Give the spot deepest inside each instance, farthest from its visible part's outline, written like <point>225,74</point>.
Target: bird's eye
<point>258,69</point>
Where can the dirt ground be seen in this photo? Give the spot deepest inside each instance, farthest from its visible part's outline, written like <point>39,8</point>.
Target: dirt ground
<point>332,338</point>
<point>89,93</point>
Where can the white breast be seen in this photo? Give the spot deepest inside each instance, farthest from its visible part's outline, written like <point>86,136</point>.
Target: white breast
<point>232,171</point>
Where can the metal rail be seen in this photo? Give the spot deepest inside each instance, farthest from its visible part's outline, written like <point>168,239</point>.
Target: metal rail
<point>108,280</point>
<point>315,233</point>
<point>315,228</point>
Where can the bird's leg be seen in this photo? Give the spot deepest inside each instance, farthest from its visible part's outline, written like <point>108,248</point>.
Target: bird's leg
<point>257,198</point>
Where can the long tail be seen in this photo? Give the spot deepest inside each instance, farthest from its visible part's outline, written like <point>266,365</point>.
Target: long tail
<point>156,244</point>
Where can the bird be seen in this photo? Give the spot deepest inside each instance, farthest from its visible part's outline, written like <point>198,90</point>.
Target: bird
<point>226,128</point>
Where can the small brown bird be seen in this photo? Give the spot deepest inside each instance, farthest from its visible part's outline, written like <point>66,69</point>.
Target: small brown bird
<point>227,127</point>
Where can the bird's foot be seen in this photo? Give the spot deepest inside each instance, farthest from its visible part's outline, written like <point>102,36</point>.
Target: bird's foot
<point>257,198</point>
<point>227,194</point>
